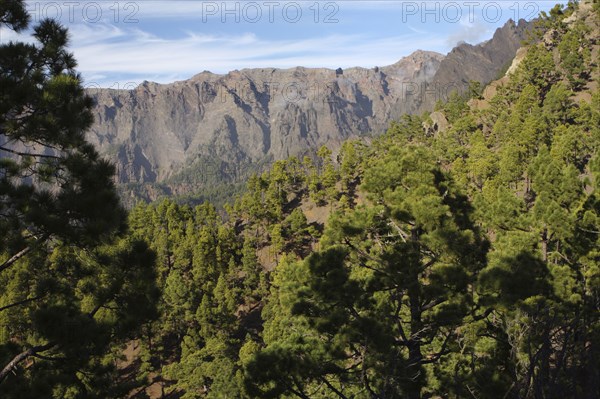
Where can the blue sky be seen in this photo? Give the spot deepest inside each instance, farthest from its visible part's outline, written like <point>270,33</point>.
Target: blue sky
<point>120,43</point>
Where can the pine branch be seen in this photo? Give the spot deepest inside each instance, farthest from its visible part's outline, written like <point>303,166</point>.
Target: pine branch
<point>12,365</point>
<point>31,352</point>
<point>22,253</point>
<point>15,258</point>
<point>443,351</point>
<point>334,389</point>
<point>26,154</point>
<point>24,301</point>
<point>433,304</point>
<point>588,230</point>
<point>403,234</point>
<point>298,392</point>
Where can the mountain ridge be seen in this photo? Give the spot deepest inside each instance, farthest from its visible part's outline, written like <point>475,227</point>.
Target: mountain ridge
<point>213,129</point>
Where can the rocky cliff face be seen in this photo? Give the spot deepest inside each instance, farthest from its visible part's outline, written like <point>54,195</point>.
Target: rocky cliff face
<point>226,125</point>
<point>482,63</point>
<point>249,115</point>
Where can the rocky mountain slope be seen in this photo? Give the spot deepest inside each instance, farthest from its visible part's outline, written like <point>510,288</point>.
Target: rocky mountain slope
<point>482,63</point>
<point>187,136</point>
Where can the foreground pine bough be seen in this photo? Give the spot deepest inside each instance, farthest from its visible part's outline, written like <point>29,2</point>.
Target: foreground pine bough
<point>74,288</point>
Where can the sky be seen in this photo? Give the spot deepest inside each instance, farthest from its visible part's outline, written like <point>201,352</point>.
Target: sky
<point>120,43</point>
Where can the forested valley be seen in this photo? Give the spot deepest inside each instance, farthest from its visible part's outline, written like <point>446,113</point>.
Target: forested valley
<point>441,260</point>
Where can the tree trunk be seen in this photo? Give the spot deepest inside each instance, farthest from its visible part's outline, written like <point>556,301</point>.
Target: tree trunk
<point>542,380</point>
<point>415,357</point>
<point>544,238</point>
<point>414,371</point>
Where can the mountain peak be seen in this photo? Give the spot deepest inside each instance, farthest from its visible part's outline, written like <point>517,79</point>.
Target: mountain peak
<point>481,62</point>
<point>418,56</point>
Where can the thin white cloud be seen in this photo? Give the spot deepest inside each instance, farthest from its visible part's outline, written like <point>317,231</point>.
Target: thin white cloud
<point>89,34</point>
<point>470,31</point>
<point>139,55</point>
<point>418,31</point>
